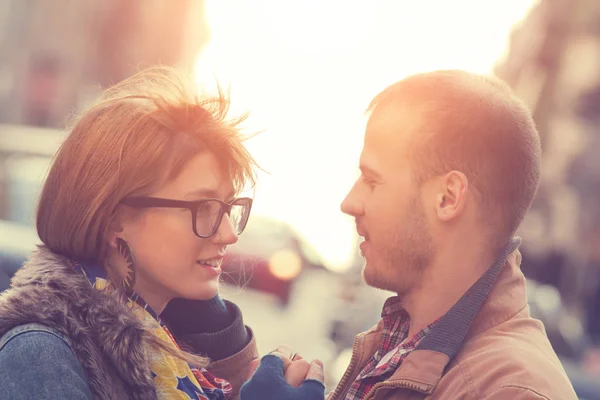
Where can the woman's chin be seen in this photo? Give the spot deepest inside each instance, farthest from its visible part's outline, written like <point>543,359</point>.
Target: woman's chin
<point>206,292</point>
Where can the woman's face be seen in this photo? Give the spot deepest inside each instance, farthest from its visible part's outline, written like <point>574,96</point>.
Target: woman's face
<point>171,261</point>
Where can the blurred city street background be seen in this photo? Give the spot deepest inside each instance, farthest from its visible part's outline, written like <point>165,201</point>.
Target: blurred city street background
<point>306,71</point>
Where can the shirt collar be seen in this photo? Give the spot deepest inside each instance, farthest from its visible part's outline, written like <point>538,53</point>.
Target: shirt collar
<point>393,308</point>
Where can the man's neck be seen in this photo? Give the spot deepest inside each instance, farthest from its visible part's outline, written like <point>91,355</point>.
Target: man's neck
<point>454,270</point>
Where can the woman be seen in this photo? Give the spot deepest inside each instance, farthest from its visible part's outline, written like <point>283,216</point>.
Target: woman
<point>135,217</point>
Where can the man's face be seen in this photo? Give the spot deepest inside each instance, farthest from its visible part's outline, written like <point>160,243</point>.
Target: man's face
<point>387,204</point>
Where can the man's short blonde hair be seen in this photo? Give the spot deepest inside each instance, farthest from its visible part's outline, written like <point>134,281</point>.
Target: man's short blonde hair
<point>476,125</point>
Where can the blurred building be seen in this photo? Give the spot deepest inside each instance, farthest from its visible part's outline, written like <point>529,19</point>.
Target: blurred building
<point>554,65</point>
<point>54,55</point>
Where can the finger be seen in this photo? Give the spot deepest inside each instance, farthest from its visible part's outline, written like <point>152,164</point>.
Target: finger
<point>285,350</point>
<point>253,366</point>
<point>316,371</point>
<point>296,357</point>
<point>269,371</point>
<point>296,372</point>
<point>284,358</point>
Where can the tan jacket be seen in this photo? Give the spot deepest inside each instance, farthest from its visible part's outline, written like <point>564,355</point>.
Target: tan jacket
<point>505,355</point>
<point>236,369</point>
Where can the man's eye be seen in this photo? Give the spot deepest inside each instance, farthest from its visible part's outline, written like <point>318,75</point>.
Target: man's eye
<point>368,180</point>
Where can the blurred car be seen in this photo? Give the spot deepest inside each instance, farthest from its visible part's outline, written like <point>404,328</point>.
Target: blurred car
<point>268,257</point>
<point>25,156</point>
<point>16,243</point>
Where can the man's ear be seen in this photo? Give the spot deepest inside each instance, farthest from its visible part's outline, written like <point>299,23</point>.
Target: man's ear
<point>452,196</point>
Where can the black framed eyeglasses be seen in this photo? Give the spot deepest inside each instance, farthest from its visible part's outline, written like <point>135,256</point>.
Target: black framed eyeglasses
<point>207,214</point>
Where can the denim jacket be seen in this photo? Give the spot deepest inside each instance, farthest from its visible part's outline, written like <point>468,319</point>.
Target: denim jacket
<point>58,339</point>
<point>34,352</point>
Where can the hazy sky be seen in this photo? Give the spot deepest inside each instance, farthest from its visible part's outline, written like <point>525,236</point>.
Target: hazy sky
<point>307,70</point>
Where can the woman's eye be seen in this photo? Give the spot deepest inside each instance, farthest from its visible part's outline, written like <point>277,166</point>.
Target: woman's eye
<point>204,208</point>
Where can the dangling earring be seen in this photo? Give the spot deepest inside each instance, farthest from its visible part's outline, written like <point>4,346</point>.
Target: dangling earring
<point>125,251</point>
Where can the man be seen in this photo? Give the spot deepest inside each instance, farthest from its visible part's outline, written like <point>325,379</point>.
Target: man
<point>450,166</point>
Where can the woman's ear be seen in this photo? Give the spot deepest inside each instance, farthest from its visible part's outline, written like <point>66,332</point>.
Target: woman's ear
<point>115,230</point>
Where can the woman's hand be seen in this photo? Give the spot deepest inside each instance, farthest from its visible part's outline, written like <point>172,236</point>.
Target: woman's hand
<point>298,371</point>
<point>294,366</point>
<point>277,376</point>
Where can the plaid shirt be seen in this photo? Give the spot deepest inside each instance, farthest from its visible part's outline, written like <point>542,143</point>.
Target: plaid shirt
<point>392,351</point>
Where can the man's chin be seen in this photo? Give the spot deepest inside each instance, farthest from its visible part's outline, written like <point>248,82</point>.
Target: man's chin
<point>376,279</point>
<point>370,276</point>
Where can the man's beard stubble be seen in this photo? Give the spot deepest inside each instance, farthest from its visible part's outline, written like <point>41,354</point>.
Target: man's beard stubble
<point>405,258</point>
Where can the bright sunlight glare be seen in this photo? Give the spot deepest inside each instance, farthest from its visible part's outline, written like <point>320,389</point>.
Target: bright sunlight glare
<point>305,71</point>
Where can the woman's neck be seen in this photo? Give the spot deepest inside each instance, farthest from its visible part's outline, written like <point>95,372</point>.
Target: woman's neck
<point>152,295</point>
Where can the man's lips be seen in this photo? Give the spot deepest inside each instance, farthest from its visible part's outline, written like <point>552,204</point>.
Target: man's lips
<point>361,232</point>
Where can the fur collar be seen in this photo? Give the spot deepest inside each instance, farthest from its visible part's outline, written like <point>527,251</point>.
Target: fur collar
<point>109,341</point>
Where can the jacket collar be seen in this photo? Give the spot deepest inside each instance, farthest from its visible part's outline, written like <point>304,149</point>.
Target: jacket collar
<point>507,297</point>
<point>493,299</point>
<point>105,335</point>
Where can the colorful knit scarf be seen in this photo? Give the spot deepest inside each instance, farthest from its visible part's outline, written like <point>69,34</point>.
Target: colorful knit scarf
<point>173,378</point>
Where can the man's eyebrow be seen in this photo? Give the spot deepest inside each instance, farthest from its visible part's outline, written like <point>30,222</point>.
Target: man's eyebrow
<point>368,171</point>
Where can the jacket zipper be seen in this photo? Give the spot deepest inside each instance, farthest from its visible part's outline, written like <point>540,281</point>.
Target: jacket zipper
<point>349,371</point>
<point>396,385</point>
